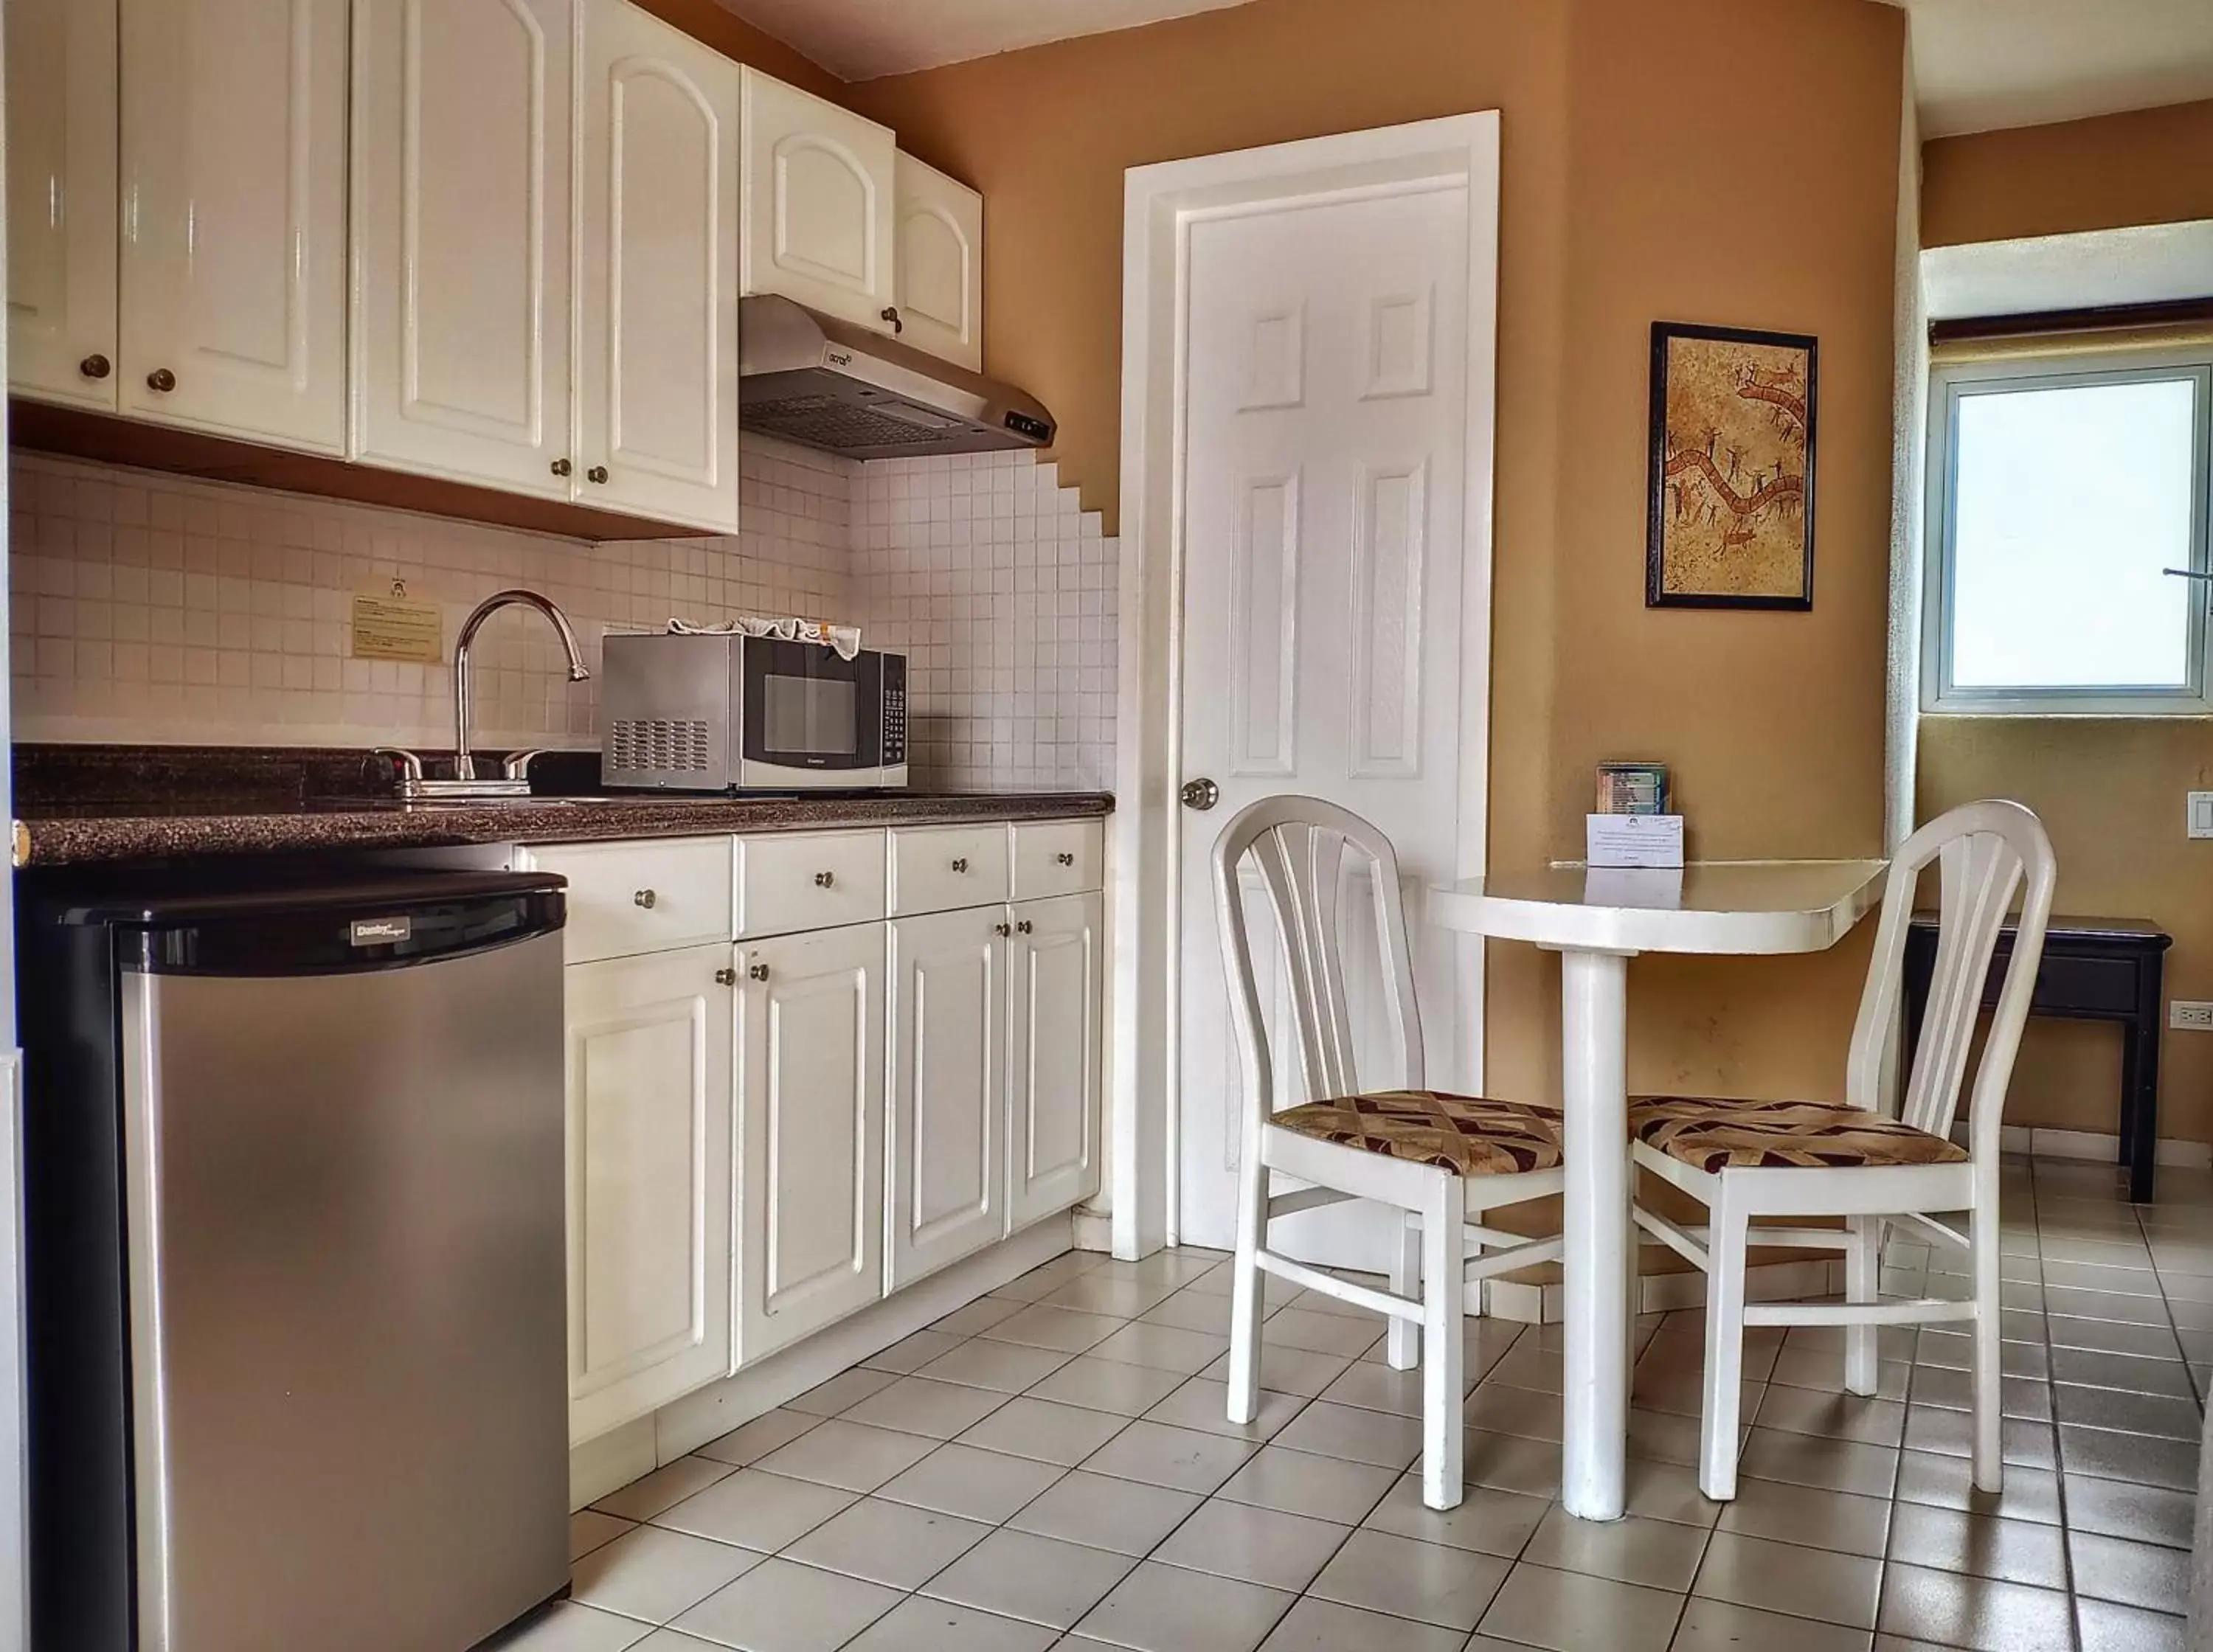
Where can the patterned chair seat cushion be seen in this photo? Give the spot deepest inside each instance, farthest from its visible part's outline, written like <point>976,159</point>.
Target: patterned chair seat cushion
<point>1467,1134</point>
<point>1716,1133</point>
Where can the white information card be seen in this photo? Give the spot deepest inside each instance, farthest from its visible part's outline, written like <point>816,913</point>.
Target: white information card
<point>1633,839</point>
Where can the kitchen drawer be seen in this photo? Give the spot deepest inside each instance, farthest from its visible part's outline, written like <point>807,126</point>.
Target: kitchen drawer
<point>943,868</point>
<point>1058,858</point>
<point>630,898</point>
<point>793,880</point>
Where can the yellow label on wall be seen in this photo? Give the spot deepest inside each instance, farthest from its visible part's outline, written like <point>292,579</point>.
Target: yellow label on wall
<point>393,625</point>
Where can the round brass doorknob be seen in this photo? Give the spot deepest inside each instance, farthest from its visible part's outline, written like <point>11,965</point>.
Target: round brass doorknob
<point>94,366</point>
<point>1201,793</point>
<point>162,380</point>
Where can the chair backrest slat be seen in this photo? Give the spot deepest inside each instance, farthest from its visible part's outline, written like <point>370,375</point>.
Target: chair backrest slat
<point>1984,853</point>
<point>1299,846</point>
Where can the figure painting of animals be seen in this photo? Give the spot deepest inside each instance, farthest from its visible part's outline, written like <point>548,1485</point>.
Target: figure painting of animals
<point>1730,515</point>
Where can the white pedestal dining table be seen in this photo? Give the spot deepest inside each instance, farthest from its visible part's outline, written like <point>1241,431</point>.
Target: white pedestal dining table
<point>1597,919</point>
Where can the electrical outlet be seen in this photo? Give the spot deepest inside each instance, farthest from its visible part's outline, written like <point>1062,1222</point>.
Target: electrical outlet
<point>2189,1017</point>
<point>2197,822</point>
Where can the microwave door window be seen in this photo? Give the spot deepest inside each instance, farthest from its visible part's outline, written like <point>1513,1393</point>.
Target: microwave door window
<point>809,717</point>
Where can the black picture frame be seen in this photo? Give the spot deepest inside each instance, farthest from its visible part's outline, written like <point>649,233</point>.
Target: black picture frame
<point>1656,595</point>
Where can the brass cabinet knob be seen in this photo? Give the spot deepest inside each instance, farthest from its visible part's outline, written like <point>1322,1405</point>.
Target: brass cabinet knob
<point>759,972</point>
<point>1022,928</point>
<point>162,380</point>
<point>96,367</point>
<point>1002,929</point>
<point>890,313</point>
<point>646,898</point>
<point>597,474</point>
<point>725,978</point>
<point>561,467</point>
<point>961,865</point>
<point>825,880</point>
<point>1065,859</point>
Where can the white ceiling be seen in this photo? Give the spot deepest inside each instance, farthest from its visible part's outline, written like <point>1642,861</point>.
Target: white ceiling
<point>1985,63</point>
<point>1980,63</point>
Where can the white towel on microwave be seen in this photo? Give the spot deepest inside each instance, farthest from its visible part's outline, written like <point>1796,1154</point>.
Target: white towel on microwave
<point>845,640</point>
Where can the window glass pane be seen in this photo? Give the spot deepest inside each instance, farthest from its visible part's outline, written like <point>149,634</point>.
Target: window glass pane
<point>2067,502</point>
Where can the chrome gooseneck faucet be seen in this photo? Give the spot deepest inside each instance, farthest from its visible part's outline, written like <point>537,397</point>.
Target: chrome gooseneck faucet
<point>465,766</point>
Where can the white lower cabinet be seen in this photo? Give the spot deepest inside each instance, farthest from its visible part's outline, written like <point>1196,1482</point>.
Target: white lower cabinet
<point>1052,1086</point>
<point>649,1176</point>
<point>810,1106</point>
<point>949,1103</point>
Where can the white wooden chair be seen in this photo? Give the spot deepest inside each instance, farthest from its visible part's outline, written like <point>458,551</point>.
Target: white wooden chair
<point>1440,1159</point>
<point>1748,1159</point>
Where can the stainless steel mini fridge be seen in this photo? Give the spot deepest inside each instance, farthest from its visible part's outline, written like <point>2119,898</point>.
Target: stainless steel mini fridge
<point>295,1246</point>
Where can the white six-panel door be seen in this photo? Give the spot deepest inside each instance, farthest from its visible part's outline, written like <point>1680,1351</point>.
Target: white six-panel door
<point>947,1148</point>
<point>462,131</point>
<point>811,1132</point>
<point>940,246</point>
<point>819,204</point>
<point>1054,964</point>
<point>61,115</point>
<point>1327,430</point>
<point>657,257</point>
<point>233,249</point>
<point>648,1154</point>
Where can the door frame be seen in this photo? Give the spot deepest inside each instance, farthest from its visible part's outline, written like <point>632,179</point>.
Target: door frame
<point>1160,204</point>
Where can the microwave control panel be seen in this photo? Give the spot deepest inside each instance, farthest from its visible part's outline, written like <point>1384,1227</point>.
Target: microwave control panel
<point>894,703</point>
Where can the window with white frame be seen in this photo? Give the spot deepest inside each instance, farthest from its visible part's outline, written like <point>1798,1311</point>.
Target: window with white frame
<point>2067,534</point>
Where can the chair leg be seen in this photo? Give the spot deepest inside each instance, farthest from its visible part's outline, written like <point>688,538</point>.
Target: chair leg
<point>1473,1249</point>
<point>1983,1254</point>
<point>1402,1350</point>
<point>1727,1241</point>
<point>1444,1250</point>
<point>1247,1289</point>
<point>1863,1277</point>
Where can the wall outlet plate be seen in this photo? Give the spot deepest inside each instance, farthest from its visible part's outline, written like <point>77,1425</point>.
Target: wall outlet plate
<point>2197,822</point>
<point>2189,1015</point>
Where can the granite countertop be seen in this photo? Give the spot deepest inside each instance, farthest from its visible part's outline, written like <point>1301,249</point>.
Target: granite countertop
<point>76,805</point>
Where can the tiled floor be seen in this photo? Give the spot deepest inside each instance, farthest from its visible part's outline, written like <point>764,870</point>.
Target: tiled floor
<point>1049,1467</point>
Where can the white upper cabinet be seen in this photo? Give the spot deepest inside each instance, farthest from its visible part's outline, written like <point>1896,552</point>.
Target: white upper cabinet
<point>810,1046</point>
<point>61,199</point>
<point>819,200</point>
<point>234,200</point>
<point>657,261</point>
<point>1053,1072</point>
<point>940,264</point>
<point>462,134</point>
<point>649,1206</point>
<point>949,1088</point>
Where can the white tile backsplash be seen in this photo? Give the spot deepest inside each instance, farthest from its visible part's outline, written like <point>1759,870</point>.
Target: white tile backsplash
<point>161,609</point>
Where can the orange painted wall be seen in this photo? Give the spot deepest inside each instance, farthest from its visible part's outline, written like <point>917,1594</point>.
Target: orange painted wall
<point>2110,789</point>
<point>2152,166</point>
<point>1639,184</point>
<point>739,40</point>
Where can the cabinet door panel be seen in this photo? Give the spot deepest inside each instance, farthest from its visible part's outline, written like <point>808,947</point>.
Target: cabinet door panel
<point>657,382</point>
<point>947,1185</point>
<point>811,1121</point>
<point>650,1183</point>
<point>1053,1077</point>
<point>61,134</point>
<point>232,278</point>
<point>460,185</point>
<point>940,264</point>
<point>820,208</point>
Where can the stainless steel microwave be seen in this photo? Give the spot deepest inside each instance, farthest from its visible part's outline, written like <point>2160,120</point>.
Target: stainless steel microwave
<point>720,712</point>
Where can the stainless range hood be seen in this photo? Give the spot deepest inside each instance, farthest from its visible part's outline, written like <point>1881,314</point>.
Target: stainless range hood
<point>824,383</point>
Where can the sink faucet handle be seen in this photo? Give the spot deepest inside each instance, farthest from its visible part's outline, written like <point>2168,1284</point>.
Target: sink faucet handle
<point>411,767</point>
<point>517,765</point>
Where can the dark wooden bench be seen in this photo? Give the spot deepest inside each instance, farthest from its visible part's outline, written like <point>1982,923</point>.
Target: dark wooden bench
<point>2100,969</point>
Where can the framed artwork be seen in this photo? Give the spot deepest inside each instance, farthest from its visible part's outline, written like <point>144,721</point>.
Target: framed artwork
<point>1729,517</point>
